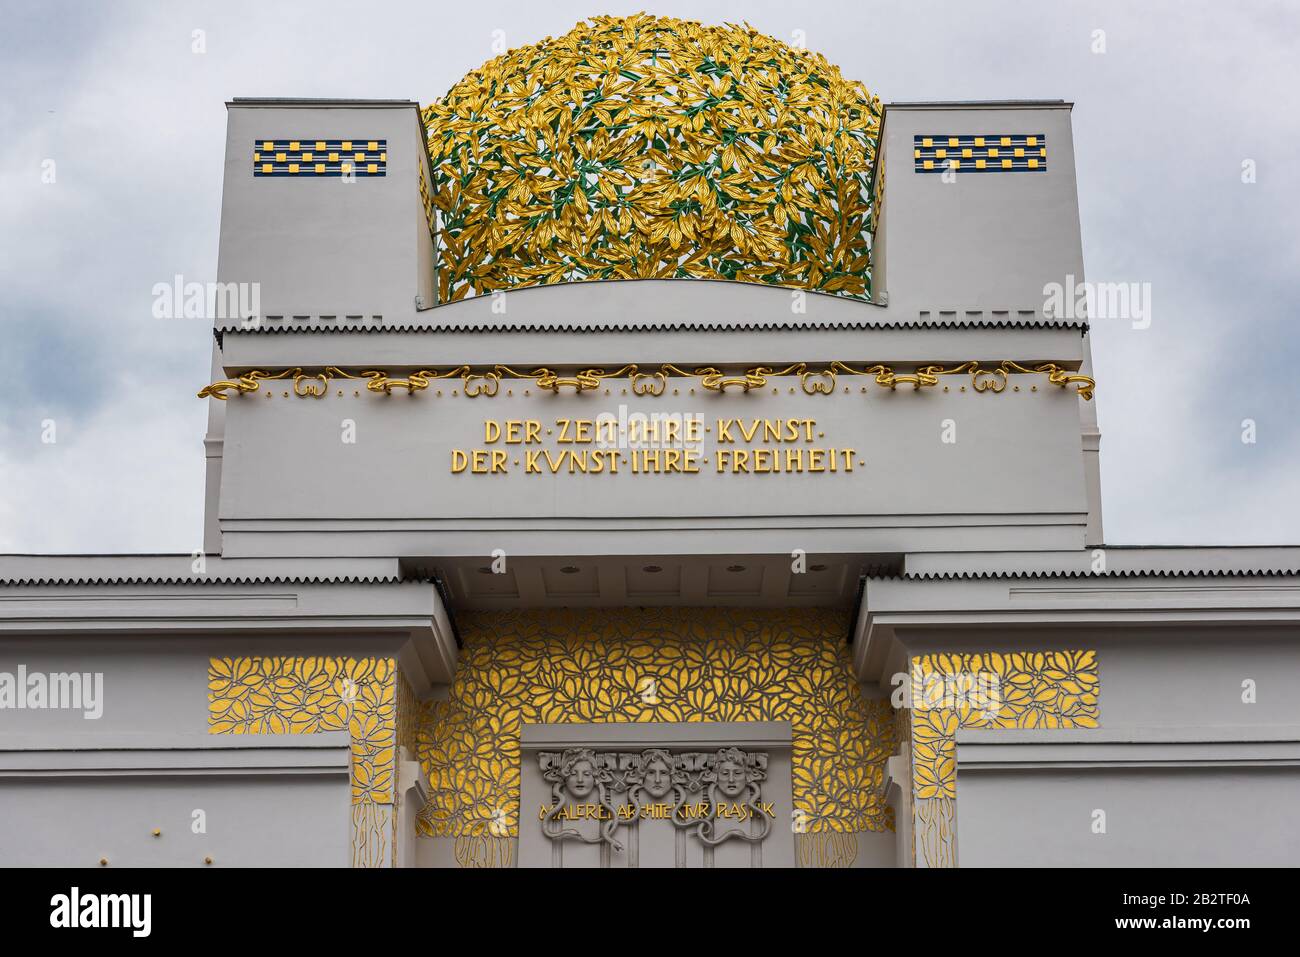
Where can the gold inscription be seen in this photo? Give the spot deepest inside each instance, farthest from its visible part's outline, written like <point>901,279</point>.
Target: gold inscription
<point>700,810</point>
<point>653,446</point>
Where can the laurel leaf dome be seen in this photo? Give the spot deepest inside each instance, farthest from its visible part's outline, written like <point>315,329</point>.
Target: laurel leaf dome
<point>652,147</point>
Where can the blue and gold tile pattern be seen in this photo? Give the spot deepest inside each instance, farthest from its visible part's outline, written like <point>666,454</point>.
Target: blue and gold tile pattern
<point>975,153</point>
<point>311,157</point>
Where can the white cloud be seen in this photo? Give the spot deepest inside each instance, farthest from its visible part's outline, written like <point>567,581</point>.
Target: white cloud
<point>107,484</point>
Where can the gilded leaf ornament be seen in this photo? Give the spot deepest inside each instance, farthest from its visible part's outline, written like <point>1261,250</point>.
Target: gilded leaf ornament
<point>650,665</point>
<point>1045,690</point>
<point>652,147</point>
<point>286,695</point>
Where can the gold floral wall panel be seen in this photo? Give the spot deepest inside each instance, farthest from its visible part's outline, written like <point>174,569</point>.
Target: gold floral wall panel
<point>1045,690</point>
<point>696,664</point>
<point>306,695</point>
<point>652,147</point>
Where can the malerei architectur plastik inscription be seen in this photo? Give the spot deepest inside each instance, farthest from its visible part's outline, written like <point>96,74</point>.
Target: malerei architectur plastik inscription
<point>714,795</point>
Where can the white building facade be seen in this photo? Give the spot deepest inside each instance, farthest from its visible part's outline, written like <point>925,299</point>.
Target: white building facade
<point>604,487</point>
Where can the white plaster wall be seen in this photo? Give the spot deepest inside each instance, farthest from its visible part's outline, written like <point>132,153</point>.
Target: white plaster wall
<point>1172,817</point>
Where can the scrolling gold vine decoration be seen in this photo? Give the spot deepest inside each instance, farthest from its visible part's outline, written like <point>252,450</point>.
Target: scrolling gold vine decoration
<point>814,380</point>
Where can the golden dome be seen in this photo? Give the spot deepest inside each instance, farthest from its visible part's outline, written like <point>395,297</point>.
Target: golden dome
<point>651,147</point>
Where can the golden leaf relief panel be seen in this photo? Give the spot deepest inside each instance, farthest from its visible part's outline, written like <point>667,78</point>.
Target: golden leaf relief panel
<point>652,147</point>
<point>654,665</point>
<point>1045,690</point>
<point>306,695</point>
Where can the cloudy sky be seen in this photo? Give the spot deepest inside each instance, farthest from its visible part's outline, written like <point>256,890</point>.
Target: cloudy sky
<point>134,122</point>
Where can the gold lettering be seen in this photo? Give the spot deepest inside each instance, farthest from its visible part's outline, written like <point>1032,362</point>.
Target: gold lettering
<point>666,448</point>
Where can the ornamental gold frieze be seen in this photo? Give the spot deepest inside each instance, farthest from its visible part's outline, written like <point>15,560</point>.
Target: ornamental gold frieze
<point>814,379</point>
<point>309,695</point>
<point>591,666</point>
<point>368,698</point>
<point>1048,690</point>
